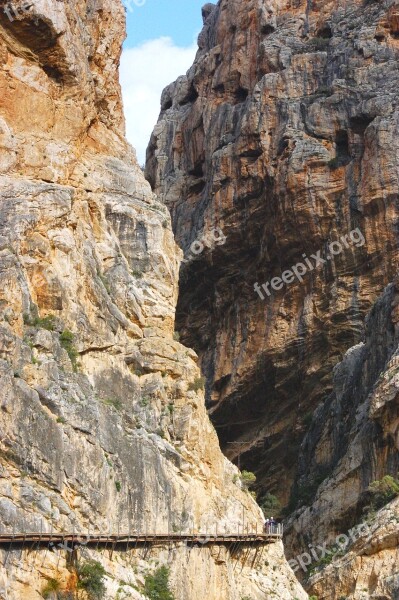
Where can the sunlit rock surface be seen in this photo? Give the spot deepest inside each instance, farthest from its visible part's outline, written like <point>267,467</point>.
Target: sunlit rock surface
<point>370,568</point>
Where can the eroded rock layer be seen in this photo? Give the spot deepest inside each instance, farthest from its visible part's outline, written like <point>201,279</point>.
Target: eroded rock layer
<point>353,441</point>
<point>102,420</point>
<point>284,134</point>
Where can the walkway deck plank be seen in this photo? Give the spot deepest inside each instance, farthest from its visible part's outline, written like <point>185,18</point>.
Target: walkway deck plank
<point>84,539</point>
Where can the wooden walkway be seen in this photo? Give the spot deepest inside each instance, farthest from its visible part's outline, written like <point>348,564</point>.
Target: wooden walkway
<point>241,547</point>
<point>89,539</point>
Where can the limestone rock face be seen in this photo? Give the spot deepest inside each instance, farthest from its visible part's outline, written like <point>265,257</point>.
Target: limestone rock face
<point>102,423</point>
<point>283,134</point>
<point>353,440</point>
<point>369,568</point>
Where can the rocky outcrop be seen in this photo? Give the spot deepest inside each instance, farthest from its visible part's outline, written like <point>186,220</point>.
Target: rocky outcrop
<point>351,443</point>
<point>353,438</point>
<point>284,135</point>
<point>102,419</point>
<point>369,568</point>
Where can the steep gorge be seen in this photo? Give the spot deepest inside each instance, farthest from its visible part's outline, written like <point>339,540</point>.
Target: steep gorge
<point>284,136</point>
<point>103,426</point>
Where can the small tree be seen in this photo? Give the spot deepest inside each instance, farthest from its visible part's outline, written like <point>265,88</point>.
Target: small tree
<point>51,588</point>
<point>157,585</point>
<point>67,342</point>
<point>383,491</point>
<point>270,504</point>
<point>247,479</point>
<point>91,579</point>
<point>197,384</point>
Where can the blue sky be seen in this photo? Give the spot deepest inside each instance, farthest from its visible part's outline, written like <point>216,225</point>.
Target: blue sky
<point>161,45</point>
<point>179,19</point>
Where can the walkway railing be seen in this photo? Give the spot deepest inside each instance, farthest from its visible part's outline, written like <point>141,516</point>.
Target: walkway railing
<point>241,547</point>
<point>273,534</point>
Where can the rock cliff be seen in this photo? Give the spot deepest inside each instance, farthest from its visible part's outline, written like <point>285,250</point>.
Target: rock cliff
<point>351,443</point>
<point>283,135</point>
<point>102,418</point>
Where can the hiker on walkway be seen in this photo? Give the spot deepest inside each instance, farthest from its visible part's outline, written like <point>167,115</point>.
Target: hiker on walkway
<point>272,524</point>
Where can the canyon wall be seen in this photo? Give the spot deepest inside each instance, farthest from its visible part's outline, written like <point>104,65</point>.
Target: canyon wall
<point>103,426</point>
<point>283,135</point>
<point>353,441</point>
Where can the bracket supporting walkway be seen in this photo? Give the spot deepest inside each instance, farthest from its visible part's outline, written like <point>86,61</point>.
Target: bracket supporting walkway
<point>148,539</point>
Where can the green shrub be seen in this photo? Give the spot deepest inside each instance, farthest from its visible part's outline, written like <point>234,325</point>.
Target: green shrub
<point>176,336</point>
<point>197,384</point>
<point>44,323</point>
<point>114,402</point>
<point>156,585</point>
<point>52,586</point>
<point>91,579</point>
<point>247,478</point>
<point>321,564</point>
<point>270,504</point>
<point>383,491</point>
<point>118,486</point>
<point>66,337</point>
<point>67,342</point>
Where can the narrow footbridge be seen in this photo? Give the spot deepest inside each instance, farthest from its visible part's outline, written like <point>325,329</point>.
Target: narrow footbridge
<point>132,540</point>
<point>241,546</point>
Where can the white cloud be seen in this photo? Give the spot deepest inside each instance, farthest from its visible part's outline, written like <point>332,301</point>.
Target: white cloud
<point>145,70</point>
